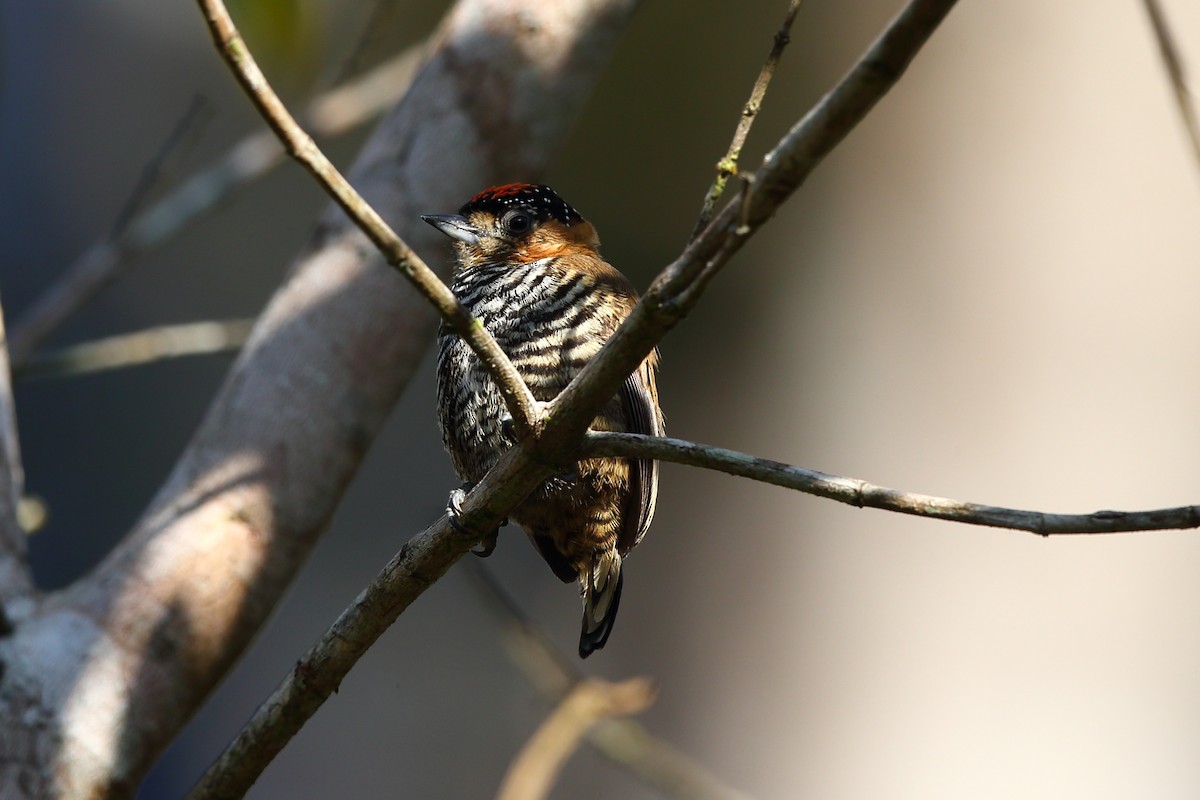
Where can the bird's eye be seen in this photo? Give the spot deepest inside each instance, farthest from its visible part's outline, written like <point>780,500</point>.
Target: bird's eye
<point>518,223</point>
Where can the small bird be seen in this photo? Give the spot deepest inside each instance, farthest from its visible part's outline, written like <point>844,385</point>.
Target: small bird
<point>529,269</point>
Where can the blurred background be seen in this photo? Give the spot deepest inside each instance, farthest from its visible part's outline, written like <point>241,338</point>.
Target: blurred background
<point>988,293</point>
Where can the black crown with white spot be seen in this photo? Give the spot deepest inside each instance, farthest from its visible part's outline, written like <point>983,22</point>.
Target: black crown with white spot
<point>540,201</point>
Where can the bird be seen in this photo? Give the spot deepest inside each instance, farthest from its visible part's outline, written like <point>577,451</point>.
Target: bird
<point>528,268</point>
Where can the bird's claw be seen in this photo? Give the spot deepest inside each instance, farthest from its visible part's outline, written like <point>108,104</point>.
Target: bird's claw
<point>454,507</point>
<point>487,544</point>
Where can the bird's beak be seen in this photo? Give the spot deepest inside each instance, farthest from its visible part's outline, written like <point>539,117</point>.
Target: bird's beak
<point>454,226</point>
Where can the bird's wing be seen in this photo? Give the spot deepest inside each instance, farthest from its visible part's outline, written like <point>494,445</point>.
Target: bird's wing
<point>639,398</point>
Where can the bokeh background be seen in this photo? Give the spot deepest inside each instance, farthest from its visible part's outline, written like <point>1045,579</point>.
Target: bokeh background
<point>989,293</point>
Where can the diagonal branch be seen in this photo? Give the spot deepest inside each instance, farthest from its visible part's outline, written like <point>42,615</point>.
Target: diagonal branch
<point>300,146</point>
<point>625,742</point>
<point>727,167</point>
<point>329,114</point>
<point>859,493</point>
<point>15,577</point>
<point>1173,64</point>
<point>589,702</point>
<point>677,289</point>
<point>137,348</point>
<point>317,675</point>
<point>166,613</point>
<point>181,138</point>
<point>429,554</point>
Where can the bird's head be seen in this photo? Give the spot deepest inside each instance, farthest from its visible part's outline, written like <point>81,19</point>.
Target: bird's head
<point>515,223</point>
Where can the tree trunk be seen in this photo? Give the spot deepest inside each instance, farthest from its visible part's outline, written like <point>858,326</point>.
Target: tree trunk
<point>98,678</point>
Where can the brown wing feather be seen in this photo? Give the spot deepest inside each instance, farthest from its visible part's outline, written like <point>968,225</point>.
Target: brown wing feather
<point>639,398</point>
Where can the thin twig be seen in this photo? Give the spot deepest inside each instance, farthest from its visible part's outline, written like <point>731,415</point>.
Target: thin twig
<point>138,348</point>
<point>319,672</point>
<point>428,555</point>
<point>185,131</point>
<point>550,672</point>
<point>382,16</point>
<point>678,287</point>
<point>524,409</point>
<point>15,577</point>
<point>727,167</point>
<point>242,507</point>
<point>532,773</point>
<point>355,101</point>
<point>862,494</point>
<point>330,114</point>
<point>1175,72</point>
<point>625,742</point>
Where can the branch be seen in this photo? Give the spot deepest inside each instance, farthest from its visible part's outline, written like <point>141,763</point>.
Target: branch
<point>15,577</point>
<point>854,492</point>
<point>625,742</point>
<point>383,16</point>
<point>138,348</point>
<point>568,417</point>
<point>300,146</point>
<point>329,115</point>
<point>317,675</point>
<point>727,167</point>
<point>185,133</point>
<point>532,774</point>
<point>1175,73</point>
<point>677,289</point>
<point>166,613</point>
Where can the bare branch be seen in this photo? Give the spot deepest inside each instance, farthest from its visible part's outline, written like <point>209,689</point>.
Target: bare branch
<point>591,700</point>
<point>727,167</point>
<point>677,289</point>
<point>138,348</point>
<point>15,578</point>
<point>330,114</point>
<point>317,675</point>
<point>152,174</point>
<point>355,101</point>
<point>1173,64</point>
<point>518,472</point>
<point>862,494</point>
<point>625,742</point>
<point>517,397</point>
<point>168,610</point>
<point>384,15</point>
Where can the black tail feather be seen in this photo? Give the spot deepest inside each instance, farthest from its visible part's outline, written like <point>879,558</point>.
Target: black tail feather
<point>593,640</point>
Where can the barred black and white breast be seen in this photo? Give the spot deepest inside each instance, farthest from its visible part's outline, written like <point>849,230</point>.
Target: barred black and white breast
<point>529,269</point>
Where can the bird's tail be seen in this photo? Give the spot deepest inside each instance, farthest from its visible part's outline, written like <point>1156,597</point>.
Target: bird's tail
<point>601,597</point>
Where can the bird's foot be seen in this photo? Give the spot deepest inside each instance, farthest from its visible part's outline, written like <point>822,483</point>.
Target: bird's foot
<point>487,545</point>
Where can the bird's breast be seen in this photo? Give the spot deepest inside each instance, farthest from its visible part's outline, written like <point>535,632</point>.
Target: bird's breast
<point>541,320</point>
